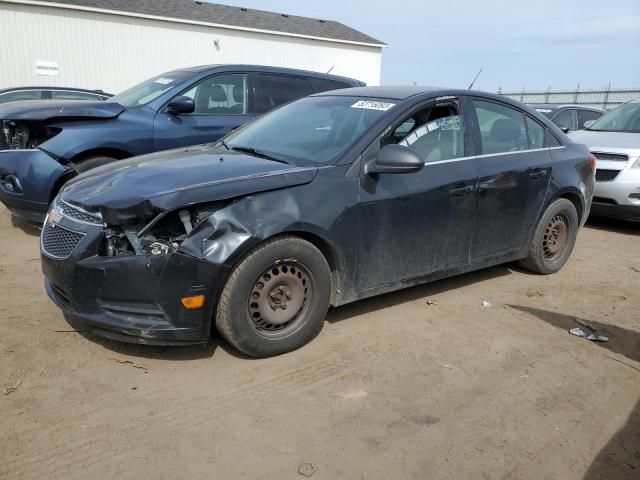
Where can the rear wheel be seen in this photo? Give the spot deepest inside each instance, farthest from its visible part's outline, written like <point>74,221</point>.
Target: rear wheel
<point>553,239</point>
<point>276,298</point>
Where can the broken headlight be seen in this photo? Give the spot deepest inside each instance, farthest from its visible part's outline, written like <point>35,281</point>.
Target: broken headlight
<point>24,135</point>
<point>162,235</point>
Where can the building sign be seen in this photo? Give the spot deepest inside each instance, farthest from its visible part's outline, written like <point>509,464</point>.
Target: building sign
<point>47,68</point>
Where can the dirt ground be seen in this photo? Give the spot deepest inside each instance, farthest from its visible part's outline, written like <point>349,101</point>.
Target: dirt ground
<point>423,383</point>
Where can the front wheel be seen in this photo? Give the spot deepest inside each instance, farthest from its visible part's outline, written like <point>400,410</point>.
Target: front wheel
<point>553,239</point>
<point>91,163</point>
<point>275,300</point>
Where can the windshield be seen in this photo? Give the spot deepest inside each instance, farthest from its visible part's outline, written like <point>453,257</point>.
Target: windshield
<point>625,118</point>
<point>145,92</point>
<point>310,131</point>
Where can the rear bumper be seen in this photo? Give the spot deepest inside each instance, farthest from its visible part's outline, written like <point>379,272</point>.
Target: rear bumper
<point>135,298</point>
<point>27,180</point>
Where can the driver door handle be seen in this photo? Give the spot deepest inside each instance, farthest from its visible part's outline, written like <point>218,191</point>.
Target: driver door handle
<point>538,174</point>
<point>462,191</point>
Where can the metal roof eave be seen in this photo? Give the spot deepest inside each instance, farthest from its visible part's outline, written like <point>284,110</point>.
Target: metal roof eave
<point>189,22</point>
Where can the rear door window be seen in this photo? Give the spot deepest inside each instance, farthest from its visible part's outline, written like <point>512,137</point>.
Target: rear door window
<point>550,140</point>
<point>502,128</point>
<point>535,132</point>
<point>271,91</point>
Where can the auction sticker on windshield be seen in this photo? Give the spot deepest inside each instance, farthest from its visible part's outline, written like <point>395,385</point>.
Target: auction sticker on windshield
<point>369,105</point>
<point>163,80</point>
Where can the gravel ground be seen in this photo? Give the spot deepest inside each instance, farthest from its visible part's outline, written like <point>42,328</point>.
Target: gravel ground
<point>422,383</point>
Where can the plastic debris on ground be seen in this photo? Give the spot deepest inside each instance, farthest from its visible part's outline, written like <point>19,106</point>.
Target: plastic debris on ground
<point>593,335</point>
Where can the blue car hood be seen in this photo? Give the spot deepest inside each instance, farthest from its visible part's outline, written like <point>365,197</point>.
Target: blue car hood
<point>141,187</point>
<point>44,110</point>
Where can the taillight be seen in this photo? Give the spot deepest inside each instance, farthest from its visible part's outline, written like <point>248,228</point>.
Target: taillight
<point>592,162</point>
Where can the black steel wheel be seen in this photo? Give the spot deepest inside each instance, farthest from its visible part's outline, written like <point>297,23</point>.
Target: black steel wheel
<point>279,299</point>
<point>553,239</point>
<point>556,237</point>
<point>276,298</point>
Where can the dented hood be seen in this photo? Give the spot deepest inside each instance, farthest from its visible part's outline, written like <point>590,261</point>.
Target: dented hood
<point>42,110</point>
<point>142,187</point>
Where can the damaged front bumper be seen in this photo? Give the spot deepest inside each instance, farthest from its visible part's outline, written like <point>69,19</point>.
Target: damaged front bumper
<point>135,298</point>
<point>27,180</point>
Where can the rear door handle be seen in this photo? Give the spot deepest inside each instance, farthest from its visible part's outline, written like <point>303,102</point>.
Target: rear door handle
<point>538,174</point>
<point>462,191</point>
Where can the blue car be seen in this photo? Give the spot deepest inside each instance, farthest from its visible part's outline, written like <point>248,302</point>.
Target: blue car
<point>43,144</point>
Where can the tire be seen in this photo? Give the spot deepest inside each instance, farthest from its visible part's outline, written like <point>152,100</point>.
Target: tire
<point>92,162</point>
<point>276,298</point>
<point>553,239</point>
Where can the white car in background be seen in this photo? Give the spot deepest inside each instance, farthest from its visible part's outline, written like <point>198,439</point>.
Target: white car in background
<point>614,139</point>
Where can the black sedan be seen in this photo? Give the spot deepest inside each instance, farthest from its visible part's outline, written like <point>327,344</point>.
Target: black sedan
<point>329,199</point>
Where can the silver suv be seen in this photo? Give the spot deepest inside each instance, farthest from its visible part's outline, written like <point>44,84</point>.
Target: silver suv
<point>615,141</point>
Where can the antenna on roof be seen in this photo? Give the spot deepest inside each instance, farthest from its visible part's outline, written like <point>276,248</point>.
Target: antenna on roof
<point>330,69</point>
<point>474,80</point>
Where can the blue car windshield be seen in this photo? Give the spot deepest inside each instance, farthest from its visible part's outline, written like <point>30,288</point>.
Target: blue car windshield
<point>311,131</point>
<point>148,91</point>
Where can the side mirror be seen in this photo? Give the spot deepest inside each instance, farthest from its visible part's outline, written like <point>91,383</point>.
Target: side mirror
<point>181,104</point>
<point>588,123</point>
<point>564,128</point>
<point>396,159</point>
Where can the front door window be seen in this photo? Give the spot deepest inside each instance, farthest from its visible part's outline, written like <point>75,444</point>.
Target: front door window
<point>220,95</point>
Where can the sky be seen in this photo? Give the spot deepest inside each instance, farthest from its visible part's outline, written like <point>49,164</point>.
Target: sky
<point>519,44</point>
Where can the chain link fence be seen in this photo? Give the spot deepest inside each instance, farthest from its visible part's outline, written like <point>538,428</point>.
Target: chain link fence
<point>606,98</point>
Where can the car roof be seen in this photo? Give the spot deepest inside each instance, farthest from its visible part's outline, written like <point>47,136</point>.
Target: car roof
<point>551,106</point>
<point>391,92</point>
<point>266,69</point>
<point>405,92</point>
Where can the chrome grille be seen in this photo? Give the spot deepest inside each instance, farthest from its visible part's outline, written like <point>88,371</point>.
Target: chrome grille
<point>77,214</point>
<point>59,242</point>
<point>616,157</point>
<point>603,175</point>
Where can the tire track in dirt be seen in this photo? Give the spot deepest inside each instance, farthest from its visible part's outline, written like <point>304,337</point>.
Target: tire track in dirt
<point>87,450</point>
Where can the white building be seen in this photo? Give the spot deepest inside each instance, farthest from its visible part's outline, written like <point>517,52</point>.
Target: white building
<point>114,44</point>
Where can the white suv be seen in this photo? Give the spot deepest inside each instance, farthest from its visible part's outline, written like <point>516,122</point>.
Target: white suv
<point>615,141</point>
